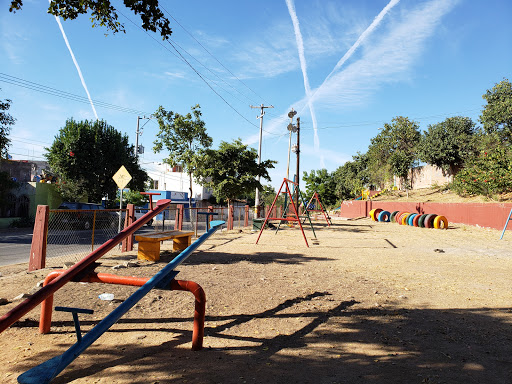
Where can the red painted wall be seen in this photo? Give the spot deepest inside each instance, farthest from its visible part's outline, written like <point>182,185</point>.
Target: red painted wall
<point>489,215</point>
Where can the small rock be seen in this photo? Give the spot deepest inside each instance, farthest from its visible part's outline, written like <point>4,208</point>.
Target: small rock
<point>119,266</point>
<point>141,337</point>
<point>68,264</point>
<point>4,301</point>
<point>21,297</point>
<point>438,250</point>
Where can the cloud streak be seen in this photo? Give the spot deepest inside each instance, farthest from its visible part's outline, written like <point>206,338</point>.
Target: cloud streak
<point>77,66</point>
<point>302,58</point>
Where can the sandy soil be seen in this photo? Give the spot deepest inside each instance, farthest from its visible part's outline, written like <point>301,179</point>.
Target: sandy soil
<point>366,303</point>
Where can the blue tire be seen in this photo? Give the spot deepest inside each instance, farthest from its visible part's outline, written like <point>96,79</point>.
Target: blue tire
<point>384,216</point>
<point>410,218</point>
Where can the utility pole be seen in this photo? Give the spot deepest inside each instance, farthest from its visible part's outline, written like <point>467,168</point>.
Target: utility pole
<point>257,197</point>
<point>138,133</point>
<point>292,128</point>
<point>298,159</point>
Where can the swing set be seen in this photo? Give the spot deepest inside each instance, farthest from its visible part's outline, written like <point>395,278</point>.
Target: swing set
<point>324,212</point>
<point>291,212</point>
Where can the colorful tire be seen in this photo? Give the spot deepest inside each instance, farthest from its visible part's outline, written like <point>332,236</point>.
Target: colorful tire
<point>404,218</point>
<point>383,216</point>
<point>376,214</point>
<point>392,217</point>
<point>429,220</point>
<point>440,219</point>
<point>416,220</point>
<point>371,213</point>
<point>400,216</point>
<point>410,218</point>
<point>421,221</point>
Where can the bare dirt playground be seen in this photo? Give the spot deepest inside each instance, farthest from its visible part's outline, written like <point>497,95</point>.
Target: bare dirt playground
<point>367,303</point>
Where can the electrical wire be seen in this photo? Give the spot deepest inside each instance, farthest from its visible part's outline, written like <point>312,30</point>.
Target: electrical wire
<point>13,80</point>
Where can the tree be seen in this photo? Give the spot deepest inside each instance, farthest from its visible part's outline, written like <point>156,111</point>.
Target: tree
<point>6,121</point>
<point>232,170</point>
<point>184,137</point>
<point>352,177</point>
<point>103,14</point>
<point>395,146</point>
<point>448,144</point>
<point>322,182</point>
<point>497,113</point>
<point>86,154</point>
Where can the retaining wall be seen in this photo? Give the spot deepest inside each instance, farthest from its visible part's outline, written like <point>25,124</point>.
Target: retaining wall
<point>489,215</point>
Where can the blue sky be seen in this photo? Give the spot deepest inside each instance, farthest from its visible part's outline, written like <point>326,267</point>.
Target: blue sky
<point>347,67</point>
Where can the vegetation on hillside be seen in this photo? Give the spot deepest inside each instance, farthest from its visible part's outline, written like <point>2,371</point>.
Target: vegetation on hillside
<point>478,157</point>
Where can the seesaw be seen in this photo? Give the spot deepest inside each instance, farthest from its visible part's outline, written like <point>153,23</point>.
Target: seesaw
<point>47,371</point>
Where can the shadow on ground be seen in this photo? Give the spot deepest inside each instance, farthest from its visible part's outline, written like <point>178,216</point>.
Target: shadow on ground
<point>342,343</point>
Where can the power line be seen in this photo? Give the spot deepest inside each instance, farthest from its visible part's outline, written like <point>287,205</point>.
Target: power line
<point>223,66</point>
<point>63,94</point>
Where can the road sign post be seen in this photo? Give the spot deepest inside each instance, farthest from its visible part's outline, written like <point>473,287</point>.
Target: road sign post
<point>122,177</point>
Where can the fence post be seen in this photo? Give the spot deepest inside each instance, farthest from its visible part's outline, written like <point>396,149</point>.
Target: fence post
<point>37,258</point>
<point>230,217</point>
<point>128,220</point>
<point>246,216</point>
<point>178,225</point>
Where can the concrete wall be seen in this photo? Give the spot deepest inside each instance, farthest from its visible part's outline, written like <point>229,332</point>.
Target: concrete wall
<point>425,176</point>
<point>489,215</point>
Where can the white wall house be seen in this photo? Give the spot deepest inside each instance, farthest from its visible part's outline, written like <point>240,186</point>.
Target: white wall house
<point>167,178</point>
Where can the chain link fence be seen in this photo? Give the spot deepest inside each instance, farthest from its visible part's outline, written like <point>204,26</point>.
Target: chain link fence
<point>73,234</point>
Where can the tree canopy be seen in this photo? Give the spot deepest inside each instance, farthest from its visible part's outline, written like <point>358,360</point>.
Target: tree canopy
<point>103,14</point>
<point>86,154</point>
<point>497,113</point>
<point>232,170</point>
<point>6,121</point>
<point>448,144</point>
<point>322,182</point>
<point>394,148</point>
<point>184,136</point>
<point>352,177</point>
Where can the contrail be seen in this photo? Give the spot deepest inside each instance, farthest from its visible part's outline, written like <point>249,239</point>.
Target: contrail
<point>302,58</point>
<point>361,38</point>
<point>77,66</point>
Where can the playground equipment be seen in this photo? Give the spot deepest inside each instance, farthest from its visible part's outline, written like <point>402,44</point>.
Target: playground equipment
<point>294,217</point>
<point>309,204</point>
<point>48,370</point>
<point>506,224</point>
<point>79,268</point>
<point>412,219</point>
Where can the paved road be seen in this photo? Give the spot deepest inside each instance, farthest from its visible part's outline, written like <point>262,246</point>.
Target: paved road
<point>15,243</point>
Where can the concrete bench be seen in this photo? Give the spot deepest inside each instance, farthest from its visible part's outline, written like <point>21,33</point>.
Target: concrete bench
<point>149,244</point>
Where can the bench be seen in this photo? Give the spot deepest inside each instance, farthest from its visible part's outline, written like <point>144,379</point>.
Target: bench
<point>149,244</point>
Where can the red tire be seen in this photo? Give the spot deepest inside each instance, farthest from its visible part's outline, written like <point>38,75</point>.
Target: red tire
<point>415,221</point>
<point>429,220</point>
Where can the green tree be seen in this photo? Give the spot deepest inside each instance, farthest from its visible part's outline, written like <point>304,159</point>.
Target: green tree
<point>6,121</point>
<point>232,170</point>
<point>86,154</point>
<point>103,14</point>
<point>497,113</point>
<point>322,182</point>
<point>448,144</point>
<point>394,149</point>
<point>184,137</point>
<point>352,177</point>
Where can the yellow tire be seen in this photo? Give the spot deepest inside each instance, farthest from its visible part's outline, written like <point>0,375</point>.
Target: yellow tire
<point>372,214</point>
<point>440,219</point>
<point>404,218</point>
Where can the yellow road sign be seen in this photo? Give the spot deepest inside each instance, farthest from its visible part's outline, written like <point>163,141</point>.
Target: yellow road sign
<point>122,177</point>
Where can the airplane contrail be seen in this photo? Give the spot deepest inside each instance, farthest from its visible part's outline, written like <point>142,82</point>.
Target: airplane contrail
<point>77,66</point>
<point>302,58</point>
<point>358,42</point>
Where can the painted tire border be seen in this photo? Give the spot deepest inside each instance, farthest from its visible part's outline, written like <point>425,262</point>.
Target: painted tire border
<point>438,220</point>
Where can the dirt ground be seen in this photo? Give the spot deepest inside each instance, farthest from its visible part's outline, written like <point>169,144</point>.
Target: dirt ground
<point>367,302</point>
